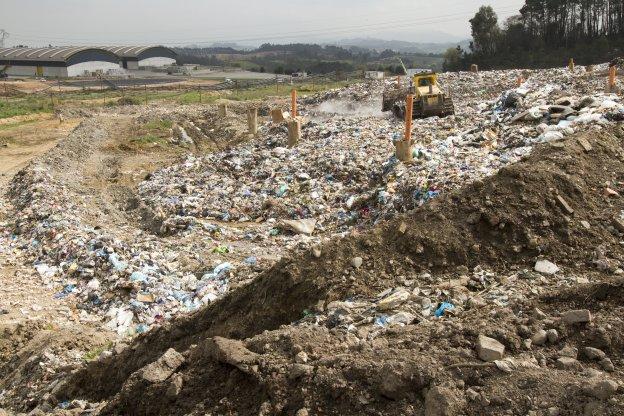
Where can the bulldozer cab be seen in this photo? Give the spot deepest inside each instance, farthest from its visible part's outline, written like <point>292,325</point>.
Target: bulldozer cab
<point>425,84</point>
<point>425,80</point>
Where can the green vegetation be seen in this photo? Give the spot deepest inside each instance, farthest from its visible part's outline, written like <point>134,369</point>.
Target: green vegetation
<point>9,126</point>
<point>95,353</point>
<point>45,104</point>
<point>148,139</point>
<point>545,33</point>
<point>259,93</point>
<point>314,59</point>
<point>195,97</point>
<point>153,133</point>
<point>24,106</point>
<point>159,125</point>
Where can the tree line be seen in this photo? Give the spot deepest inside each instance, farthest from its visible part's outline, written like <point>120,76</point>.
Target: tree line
<point>312,58</point>
<point>545,33</point>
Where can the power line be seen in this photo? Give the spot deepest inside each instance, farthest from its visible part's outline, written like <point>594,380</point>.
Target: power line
<point>304,33</point>
<point>402,15</point>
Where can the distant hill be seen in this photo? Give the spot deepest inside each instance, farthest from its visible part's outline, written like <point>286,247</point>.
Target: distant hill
<point>372,44</point>
<point>313,58</point>
<point>401,46</point>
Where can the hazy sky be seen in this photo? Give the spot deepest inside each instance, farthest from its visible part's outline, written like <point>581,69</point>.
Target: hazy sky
<point>202,22</point>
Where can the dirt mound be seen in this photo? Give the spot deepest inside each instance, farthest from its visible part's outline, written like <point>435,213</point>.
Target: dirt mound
<point>560,203</point>
<point>35,356</point>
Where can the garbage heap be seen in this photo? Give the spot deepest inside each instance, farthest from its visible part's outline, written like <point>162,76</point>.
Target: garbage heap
<point>501,297</point>
<point>344,172</point>
<point>262,198</point>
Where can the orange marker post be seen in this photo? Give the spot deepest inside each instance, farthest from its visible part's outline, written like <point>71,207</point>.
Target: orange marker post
<point>293,104</point>
<point>404,147</point>
<point>409,111</point>
<point>612,75</point>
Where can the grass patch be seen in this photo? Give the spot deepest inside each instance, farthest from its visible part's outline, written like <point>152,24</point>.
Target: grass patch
<point>10,126</point>
<point>159,125</point>
<point>24,106</point>
<point>193,97</point>
<point>284,90</point>
<point>44,104</point>
<point>153,133</point>
<point>148,139</point>
<point>95,352</point>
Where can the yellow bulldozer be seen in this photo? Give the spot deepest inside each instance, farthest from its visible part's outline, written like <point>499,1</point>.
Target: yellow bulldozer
<point>429,99</point>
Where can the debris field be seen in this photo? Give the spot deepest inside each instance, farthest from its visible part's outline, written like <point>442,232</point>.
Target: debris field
<point>226,273</point>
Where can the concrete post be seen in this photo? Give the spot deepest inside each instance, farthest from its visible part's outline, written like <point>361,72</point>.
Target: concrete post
<point>252,120</point>
<point>404,147</point>
<point>294,132</point>
<point>223,110</point>
<point>404,151</point>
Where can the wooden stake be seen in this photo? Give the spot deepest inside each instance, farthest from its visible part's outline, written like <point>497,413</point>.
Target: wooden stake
<point>398,82</point>
<point>571,65</point>
<point>474,68</point>
<point>520,81</point>
<point>293,103</point>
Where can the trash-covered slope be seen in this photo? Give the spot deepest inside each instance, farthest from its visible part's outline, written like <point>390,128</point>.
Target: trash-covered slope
<point>282,233</point>
<point>350,345</point>
<point>196,228</point>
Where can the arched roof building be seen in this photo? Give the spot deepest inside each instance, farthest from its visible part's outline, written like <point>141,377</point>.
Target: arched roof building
<point>134,57</point>
<point>56,61</point>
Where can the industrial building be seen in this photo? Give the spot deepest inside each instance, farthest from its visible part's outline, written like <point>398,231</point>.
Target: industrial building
<point>61,62</point>
<point>56,62</point>
<point>135,57</point>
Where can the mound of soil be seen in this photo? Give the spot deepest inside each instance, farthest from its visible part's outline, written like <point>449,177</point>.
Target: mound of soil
<point>560,203</point>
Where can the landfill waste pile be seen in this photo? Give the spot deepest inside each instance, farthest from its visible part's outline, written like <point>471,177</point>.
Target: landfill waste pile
<point>237,275</point>
<point>493,299</point>
<point>344,171</point>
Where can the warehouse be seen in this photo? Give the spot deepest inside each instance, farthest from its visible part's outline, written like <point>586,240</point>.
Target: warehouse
<point>57,62</point>
<point>135,57</point>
